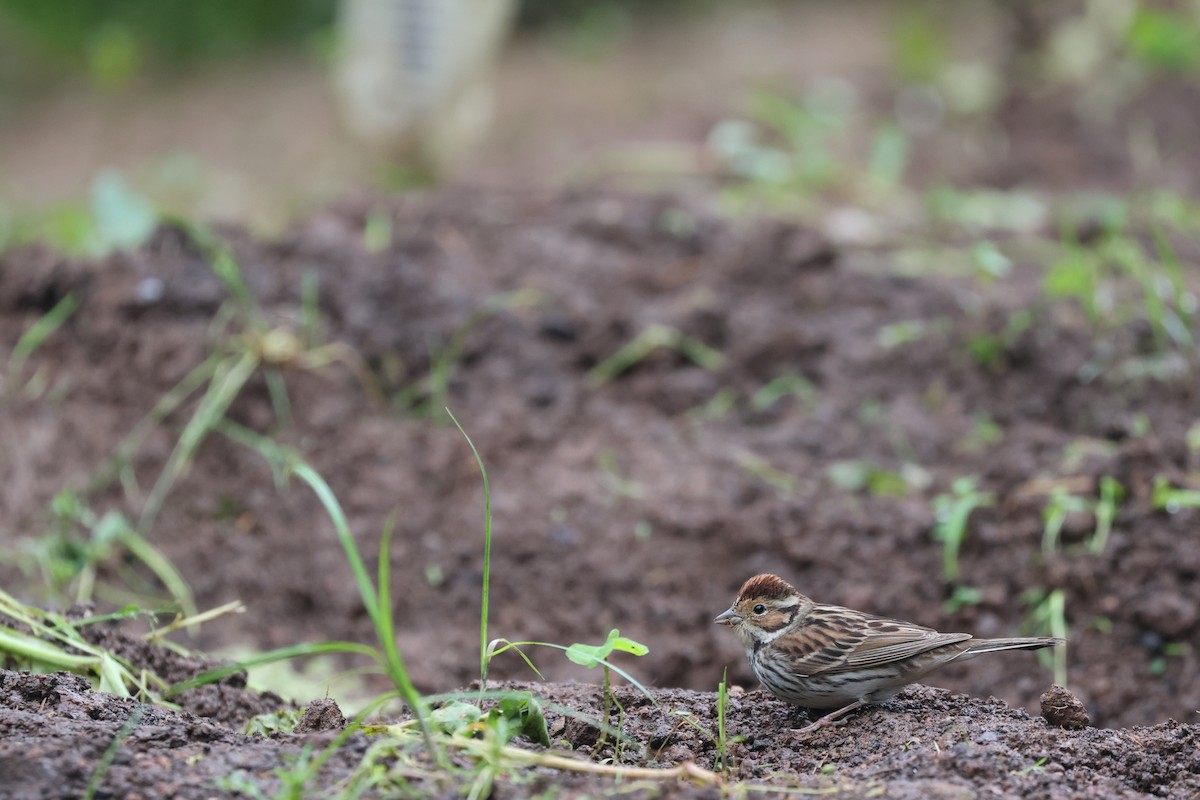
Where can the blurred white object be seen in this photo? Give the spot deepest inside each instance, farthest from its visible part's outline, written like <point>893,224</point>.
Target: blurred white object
<point>412,76</point>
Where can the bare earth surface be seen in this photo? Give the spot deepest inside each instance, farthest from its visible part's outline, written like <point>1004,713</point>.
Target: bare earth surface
<point>640,500</point>
<point>630,503</point>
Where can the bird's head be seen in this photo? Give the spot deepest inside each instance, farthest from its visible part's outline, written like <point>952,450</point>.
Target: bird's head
<point>765,607</point>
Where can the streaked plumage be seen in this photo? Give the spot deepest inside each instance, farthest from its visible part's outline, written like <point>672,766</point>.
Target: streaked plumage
<point>821,656</point>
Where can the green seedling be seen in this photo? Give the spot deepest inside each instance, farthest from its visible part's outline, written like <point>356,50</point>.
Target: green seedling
<point>591,656</point>
<point>722,710</point>
<point>1048,617</point>
<point>113,217</point>
<point>991,263</point>
<point>427,396</point>
<point>988,349</point>
<point>1115,280</point>
<point>1193,437</point>
<point>988,209</point>
<point>907,332</point>
<point>484,658</point>
<point>786,385</point>
<point>984,433</point>
<point>70,554</point>
<point>34,337</point>
<point>1164,39</point>
<point>961,597</point>
<point>1111,495</point>
<point>1158,664</point>
<point>655,337</point>
<point>1060,506</point>
<point>1170,499</point>
<point>857,476</point>
<point>377,231</point>
<point>618,484</point>
<point>282,721</point>
<point>519,712</point>
<point>785,483</point>
<point>952,511</point>
<point>718,406</point>
<point>1036,766</point>
<point>888,158</point>
<point>1076,275</point>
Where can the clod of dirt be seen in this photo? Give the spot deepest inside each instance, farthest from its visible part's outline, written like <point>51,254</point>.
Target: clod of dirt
<point>1063,709</point>
<point>321,715</point>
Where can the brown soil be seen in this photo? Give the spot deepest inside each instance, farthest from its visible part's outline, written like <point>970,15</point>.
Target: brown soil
<point>623,504</point>
<point>926,743</point>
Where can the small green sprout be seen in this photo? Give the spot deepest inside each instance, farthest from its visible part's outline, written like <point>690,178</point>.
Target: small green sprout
<point>591,656</point>
<point>1111,494</point>
<point>1158,664</point>
<point>784,482</point>
<point>654,337</point>
<point>618,484</point>
<point>722,711</point>
<point>857,476</point>
<point>1048,617</point>
<point>1060,506</point>
<point>952,512</point>
<point>961,597</point>
<point>1167,498</point>
<point>786,385</point>
<point>34,337</point>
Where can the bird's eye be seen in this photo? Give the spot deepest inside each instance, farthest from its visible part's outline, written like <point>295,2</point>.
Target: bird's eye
<point>760,609</point>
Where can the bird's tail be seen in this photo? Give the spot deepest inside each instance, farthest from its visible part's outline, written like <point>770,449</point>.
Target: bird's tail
<point>975,648</point>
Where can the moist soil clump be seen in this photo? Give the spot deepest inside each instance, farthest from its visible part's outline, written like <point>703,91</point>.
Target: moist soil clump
<point>803,410</point>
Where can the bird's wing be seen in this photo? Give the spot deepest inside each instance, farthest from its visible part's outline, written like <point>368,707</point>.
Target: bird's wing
<point>834,639</point>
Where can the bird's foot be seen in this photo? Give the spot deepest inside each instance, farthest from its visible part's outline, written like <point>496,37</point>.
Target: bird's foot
<point>831,718</point>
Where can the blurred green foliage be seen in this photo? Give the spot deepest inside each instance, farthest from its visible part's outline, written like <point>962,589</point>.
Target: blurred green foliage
<point>539,13</point>
<point>1165,40</point>
<point>171,31</point>
<point>112,41</point>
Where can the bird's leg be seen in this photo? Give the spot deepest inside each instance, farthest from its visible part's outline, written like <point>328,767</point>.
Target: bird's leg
<point>834,715</point>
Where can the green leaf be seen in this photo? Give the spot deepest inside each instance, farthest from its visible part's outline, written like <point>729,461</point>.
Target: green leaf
<point>454,717</point>
<point>589,655</point>
<point>526,711</point>
<point>630,646</point>
<point>123,218</point>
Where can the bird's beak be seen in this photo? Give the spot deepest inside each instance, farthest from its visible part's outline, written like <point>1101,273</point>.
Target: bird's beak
<point>730,617</point>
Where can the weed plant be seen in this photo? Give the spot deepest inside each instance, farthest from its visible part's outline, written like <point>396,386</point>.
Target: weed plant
<point>951,512</point>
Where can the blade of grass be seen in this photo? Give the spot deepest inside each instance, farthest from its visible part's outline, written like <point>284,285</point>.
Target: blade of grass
<point>394,661</point>
<point>280,654</point>
<point>38,333</point>
<point>227,381</point>
<point>484,658</point>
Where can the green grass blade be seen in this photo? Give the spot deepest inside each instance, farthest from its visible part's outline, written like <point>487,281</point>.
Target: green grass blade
<point>487,556</point>
<point>395,666</point>
<point>39,651</point>
<point>281,654</point>
<point>162,568</point>
<point>228,380</point>
<point>38,333</point>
